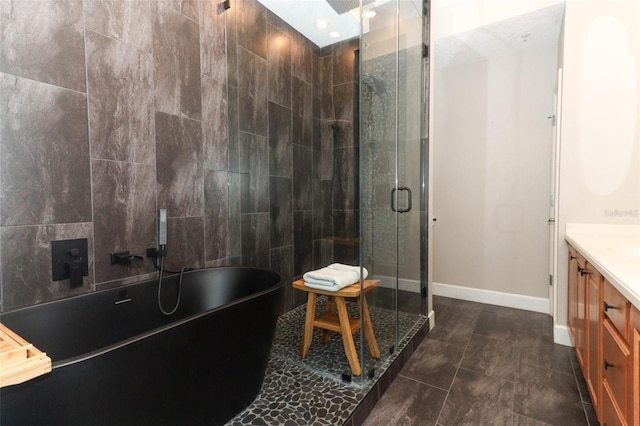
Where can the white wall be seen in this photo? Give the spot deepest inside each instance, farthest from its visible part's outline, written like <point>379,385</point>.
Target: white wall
<point>600,136</point>
<point>492,143</point>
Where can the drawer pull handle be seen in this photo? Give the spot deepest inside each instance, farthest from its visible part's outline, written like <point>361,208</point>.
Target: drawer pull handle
<point>583,272</point>
<point>607,306</point>
<point>607,365</point>
<point>572,257</point>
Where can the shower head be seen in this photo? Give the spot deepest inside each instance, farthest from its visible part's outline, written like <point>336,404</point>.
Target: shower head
<point>374,84</point>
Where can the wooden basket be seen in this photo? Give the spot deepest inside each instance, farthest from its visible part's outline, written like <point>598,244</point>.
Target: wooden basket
<point>20,360</point>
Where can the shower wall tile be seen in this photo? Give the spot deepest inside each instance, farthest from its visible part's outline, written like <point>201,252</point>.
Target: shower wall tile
<point>282,263</point>
<point>343,101</point>
<point>346,136</point>
<point>254,166</point>
<point>176,52</point>
<point>252,92</point>
<point>212,41</point>
<point>315,86</point>
<point>214,124</point>
<point>281,212</point>
<point>233,128</point>
<point>216,227</point>
<point>189,8</point>
<point>185,242</point>
<point>44,155</point>
<point>120,80</point>
<point>279,66</point>
<point>323,151</point>
<point>280,146</point>
<point>302,104</point>
<point>302,242</point>
<point>325,68</point>
<point>346,180</point>
<point>322,219</point>
<point>126,21</point>
<point>345,225</point>
<point>232,46</point>
<point>322,253</point>
<point>302,182</point>
<point>179,165</point>
<point>235,241</point>
<point>252,26</point>
<point>301,57</point>
<point>124,218</point>
<point>343,57</point>
<point>255,240</point>
<point>26,263</point>
<point>43,41</point>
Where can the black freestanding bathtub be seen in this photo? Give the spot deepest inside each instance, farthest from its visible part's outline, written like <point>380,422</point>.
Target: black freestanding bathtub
<point>117,360</point>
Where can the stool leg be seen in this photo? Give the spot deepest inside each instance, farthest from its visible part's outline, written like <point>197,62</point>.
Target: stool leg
<point>368,328</point>
<point>347,338</point>
<point>307,334</point>
<point>325,333</point>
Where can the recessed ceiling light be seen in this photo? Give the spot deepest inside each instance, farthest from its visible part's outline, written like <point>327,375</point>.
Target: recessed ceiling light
<point>334,34</point>
<point>321,23</point>
<point>370,13</point>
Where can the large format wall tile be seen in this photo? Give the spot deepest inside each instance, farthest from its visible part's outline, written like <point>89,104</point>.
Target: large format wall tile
<point>120,80</point>
<point>280,148</point>
<point>343,61</point>
<point>252,26</point>
<point>185,243</point>
<point>212,36</point>
<point>323,150</point>
<point>279,64</point>
<point>281,260</point>
<point>216,227</point>
<point>179,165</point>
<point>233,128</point>
<point>302,242</point>
<point>124,215</point>
<point>176,52</point>
<point>302,104</point>
<point>302,182</point>
<point>252,92</point>
<point>281,212</point>
<point>25,253</point>
<point>301,57</point>
<point>254,166</point>
<point>322,219</point>
<point>235,241</point>
<point>127,21</point>
<point>44,154</point>
<point>214,125</point>
<point>43,41</point>
<point>255,240</point>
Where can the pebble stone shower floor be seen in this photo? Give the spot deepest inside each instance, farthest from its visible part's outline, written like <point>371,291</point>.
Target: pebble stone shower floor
<point>310,391</point>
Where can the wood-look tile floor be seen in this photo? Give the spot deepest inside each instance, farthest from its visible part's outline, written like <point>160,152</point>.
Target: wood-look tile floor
<point>487,365</point>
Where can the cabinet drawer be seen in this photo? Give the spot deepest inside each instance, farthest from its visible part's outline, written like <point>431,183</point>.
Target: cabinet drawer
<point>615,361</point>
<point>616,307</point>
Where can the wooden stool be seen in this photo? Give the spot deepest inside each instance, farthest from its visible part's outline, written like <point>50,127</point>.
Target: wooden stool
<point>341,322</point>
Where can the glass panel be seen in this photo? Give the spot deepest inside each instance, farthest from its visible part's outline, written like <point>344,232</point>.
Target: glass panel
<point>390,130</point>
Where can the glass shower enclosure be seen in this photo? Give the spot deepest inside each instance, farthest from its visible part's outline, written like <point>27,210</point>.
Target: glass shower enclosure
<point>393,158</point>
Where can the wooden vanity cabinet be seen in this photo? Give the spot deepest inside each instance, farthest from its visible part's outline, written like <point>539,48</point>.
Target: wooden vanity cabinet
<point>593,319</point>
<point>576,300</point>
<point>605,329</point>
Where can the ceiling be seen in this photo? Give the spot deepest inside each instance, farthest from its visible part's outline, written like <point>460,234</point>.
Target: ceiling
<point>302,15</point>
<point>530,30</point>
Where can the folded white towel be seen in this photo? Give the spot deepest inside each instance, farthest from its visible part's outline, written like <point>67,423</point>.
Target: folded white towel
<point>334,277</point>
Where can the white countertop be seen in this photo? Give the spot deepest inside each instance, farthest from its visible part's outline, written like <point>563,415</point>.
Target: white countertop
<point>614,250</point>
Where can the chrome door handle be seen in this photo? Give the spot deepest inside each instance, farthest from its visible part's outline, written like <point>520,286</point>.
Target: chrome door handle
<point>401,188</point>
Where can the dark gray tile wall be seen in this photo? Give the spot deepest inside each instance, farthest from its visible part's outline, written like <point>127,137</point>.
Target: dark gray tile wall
<point>114,109</point>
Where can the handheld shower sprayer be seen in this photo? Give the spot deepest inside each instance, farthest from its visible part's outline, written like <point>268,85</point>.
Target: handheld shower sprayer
<point>162,228</point>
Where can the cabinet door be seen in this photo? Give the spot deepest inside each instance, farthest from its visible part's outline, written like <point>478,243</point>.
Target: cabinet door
<point>572,307</point>
<point>581,312</point>
<point>615,359</point>
<point>593,372</point>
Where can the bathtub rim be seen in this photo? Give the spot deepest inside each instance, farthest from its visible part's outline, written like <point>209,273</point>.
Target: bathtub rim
<point>98,352</point>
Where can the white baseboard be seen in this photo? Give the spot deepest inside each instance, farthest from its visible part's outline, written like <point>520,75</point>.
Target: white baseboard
<point>561,335</point>
<point>517,301</point>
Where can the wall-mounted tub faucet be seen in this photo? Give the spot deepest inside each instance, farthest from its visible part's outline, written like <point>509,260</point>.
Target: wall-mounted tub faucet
<point>124,258</point>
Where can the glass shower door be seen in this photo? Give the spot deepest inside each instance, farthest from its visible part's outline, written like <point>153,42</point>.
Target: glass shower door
<point>391,90</point>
